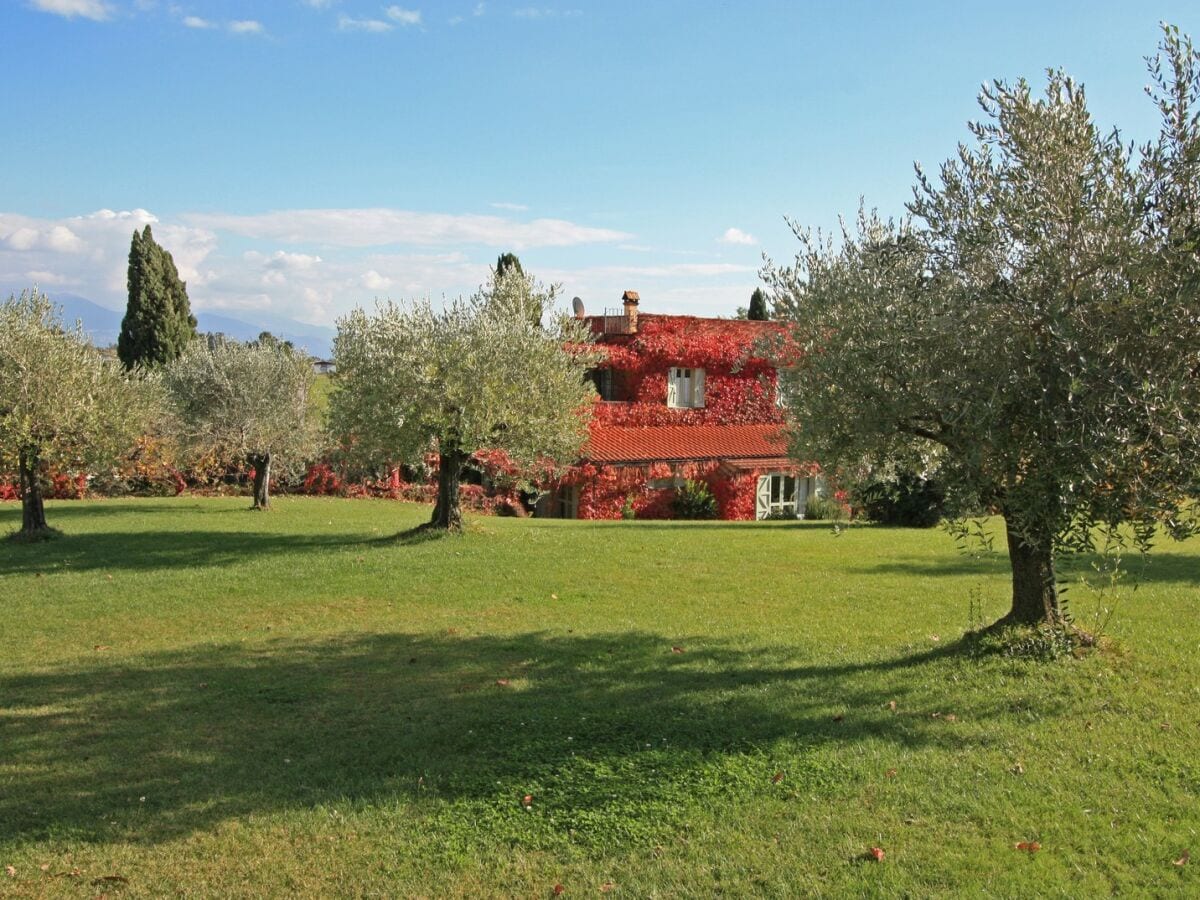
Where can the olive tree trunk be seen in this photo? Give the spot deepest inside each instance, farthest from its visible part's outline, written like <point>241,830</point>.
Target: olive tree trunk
<point>33,510</point>
<point>262,480</point>
<point>1035,593</point>
<point>447,511</point>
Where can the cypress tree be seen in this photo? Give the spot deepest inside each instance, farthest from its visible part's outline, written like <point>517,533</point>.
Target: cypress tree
<point>158,321</point>
<point>758,306</point>
<point>506,262</point>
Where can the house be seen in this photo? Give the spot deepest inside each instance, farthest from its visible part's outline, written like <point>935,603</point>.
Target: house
<point>683,398</point>
<point>324,366</point>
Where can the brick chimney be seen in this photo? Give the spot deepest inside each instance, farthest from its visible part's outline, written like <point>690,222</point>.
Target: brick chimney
<point>630,299</point>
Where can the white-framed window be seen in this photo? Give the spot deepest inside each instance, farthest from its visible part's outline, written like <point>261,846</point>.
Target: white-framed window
<point>685,388</point>
<point>781,494</point>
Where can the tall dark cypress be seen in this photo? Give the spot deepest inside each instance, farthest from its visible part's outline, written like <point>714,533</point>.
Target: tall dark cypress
<point>758,306</point>
<point>158,321</point>
<point>507,262</point>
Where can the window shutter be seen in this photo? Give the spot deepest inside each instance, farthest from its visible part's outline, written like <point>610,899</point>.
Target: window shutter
<point>762,497</point>
<point>672,390</point>
<point>698,388</point>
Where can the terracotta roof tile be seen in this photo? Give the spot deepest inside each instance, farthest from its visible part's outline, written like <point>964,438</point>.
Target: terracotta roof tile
<point>684,442</point>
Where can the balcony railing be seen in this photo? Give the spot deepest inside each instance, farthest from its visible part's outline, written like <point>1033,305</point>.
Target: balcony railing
<point>616,322</point>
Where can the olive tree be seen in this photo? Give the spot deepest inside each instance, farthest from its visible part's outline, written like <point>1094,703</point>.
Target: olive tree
<point>63,407</point>
<point>476,374</point>
<point>243,402</point>
<point>1032,328</point>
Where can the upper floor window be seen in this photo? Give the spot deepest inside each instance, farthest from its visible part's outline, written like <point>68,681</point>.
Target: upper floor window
<point>608,383</point>
<point>685,388</point>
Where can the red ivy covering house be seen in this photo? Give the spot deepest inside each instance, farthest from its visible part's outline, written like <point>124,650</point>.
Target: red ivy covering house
<point>684,398</point>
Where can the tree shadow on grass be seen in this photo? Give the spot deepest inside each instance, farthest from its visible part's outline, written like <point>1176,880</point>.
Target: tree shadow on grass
<point>1161,568</point>
<point>590,725</point>
<point>134,551</point>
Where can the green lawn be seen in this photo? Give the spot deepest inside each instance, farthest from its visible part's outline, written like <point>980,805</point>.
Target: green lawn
<point>212,702</point>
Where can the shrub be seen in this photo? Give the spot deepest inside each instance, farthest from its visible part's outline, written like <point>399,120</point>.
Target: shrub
<point>819,509</point>
<point>909,501</point>
<point>694,500</point>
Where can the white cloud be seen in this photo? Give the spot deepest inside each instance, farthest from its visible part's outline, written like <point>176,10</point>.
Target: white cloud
<point>373,281</point>
<point>281,259</point>
<point>375,26</point>
<point>314,265</point>
<point>43,278</point>
<point>197,22</point>
<point>93,250</point>
<point>513,207</point>
<point>479,10</point>
<point>96,10</point>
<point>246,26</point>
<point>404,16</point>
<point>737,236</point>
<point>318,4</point>
<point>49,238</point>
<point>385,227</point>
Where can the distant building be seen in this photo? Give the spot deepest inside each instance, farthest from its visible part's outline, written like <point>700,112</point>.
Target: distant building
<point>683,398</point>
<point>324,366</point>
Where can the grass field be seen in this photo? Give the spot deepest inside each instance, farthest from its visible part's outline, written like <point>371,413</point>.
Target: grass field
<point>206,701</point>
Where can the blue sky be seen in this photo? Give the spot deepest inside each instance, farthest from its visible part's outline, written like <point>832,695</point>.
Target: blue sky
<point>302,157</point>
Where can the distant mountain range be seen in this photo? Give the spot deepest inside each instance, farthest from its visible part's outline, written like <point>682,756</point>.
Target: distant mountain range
<point>103,325</point>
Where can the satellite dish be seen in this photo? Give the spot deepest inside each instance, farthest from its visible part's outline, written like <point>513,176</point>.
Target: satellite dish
<point>577,305</point>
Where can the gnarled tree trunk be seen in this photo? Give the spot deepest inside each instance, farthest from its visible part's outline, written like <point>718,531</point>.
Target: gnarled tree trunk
<point>447,512</point>
<point>33,510</point>
<point>1035,593</point>
<point>262,480</point>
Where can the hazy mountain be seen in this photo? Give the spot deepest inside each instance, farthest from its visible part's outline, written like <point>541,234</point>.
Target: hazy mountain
<point>103,325</point>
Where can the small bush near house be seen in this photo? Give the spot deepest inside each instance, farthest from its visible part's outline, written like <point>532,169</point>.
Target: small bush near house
<point>910,501</point>
<point>694,500</point>
<point>780,515</point>
<point>819,509</point>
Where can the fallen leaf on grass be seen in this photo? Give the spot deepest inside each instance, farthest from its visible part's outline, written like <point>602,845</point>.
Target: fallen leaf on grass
<point>501,682</point>
<point>554,596</point>
<point>1028,846</point>
<point>102,647</point>
<point>606,887</point>
<point>527,801</point>
<point>1182,861</point>
<point>776,778</point>
<point>110,879</point>
<point>876,853</point>
<point>892,705</point>
<point>839,717</point>
<point>45,867</point>
<point>11,871</point>
<point>558,889</point>
<point>1017,768</point>
<point>950,717</point>
<point>890,773</point>
<point>676,649</point>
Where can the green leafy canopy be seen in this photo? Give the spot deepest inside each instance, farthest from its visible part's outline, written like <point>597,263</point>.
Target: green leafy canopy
<point>1031,328</point>
<point>476,374</point>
